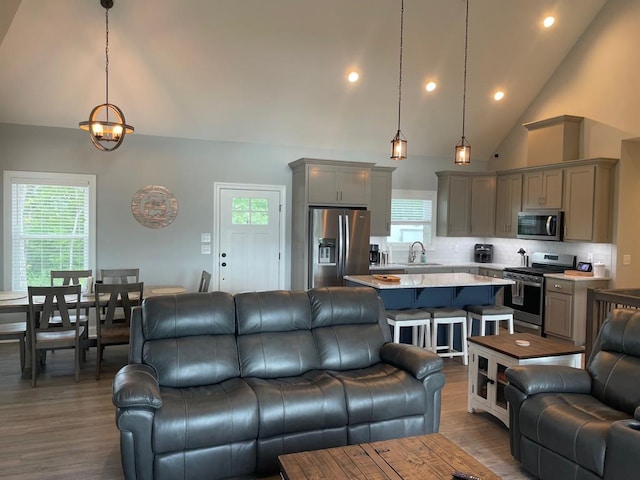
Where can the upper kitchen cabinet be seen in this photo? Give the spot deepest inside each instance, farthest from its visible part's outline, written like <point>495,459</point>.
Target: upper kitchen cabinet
<point>508,204</point>
<point>588,201</point>
<point>331,182</point>
<point>542,189</point>
<point>380,205</point>
<point>466,204</point>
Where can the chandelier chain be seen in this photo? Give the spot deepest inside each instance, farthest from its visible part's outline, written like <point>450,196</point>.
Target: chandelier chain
<point>401,49</point>
<point>106,55</point>
<point>464,86</point>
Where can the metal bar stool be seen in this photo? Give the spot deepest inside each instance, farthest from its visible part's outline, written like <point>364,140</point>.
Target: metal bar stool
<point>411,317</point>
<point>489,313</point>
<point>449,316</point>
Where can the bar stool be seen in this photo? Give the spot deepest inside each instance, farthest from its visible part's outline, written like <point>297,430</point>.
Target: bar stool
<point>449,316</point>
<point>410,317</point>
<point>489,313</point>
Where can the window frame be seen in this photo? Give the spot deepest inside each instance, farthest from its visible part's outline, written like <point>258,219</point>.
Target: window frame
<point>416,195</point>
<point>12,177</point>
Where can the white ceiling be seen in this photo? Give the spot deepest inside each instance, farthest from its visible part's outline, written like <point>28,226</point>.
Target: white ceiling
<point>273,71</point>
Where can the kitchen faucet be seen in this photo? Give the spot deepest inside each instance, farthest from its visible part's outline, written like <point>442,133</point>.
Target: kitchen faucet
<point>412,253</point>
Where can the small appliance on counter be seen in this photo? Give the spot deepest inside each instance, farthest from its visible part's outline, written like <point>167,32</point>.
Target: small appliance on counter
<point>374,254</point>
<point>483,253</point>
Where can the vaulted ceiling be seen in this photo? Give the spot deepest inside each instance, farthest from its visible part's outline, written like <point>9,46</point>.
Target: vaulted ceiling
<point>274,71</point>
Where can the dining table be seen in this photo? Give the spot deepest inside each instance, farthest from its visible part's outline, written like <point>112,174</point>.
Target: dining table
<point>18,302</point>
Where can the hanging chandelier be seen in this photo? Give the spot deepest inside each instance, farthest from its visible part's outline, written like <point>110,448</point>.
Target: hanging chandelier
<point>399,143</point>
<point>106,125</point>
<point>463,149</point>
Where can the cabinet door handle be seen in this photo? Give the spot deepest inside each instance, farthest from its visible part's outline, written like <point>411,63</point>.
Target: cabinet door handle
<point>556,285</point>
<point>490,381</point>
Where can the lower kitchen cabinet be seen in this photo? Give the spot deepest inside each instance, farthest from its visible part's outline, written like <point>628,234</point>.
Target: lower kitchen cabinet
<point>565,309</point>
<point>489,358</point>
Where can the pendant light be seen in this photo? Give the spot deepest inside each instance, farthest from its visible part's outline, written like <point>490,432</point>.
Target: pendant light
<point>463,149</point>
<point>106,125</point>
<point>399,143</point>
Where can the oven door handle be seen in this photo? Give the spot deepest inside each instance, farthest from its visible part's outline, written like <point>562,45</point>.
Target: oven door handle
<point>528,284</point>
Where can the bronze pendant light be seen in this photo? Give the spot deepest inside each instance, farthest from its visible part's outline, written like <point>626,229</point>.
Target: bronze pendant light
<point>399,143</point>
<point>106,125</point>
<point>463,149</point>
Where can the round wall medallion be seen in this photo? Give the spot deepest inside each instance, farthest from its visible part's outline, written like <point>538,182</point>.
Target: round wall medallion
<point>154,206</point>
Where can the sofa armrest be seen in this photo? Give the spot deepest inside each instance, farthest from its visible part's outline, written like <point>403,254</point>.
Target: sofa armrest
<point>533,379</point>
<point>623,450</point>
<point>136,385</point>
<point>417,361</point>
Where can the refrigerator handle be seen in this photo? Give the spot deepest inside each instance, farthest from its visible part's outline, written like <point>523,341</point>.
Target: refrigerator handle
<point>345,258</point>
<point>341,250</point>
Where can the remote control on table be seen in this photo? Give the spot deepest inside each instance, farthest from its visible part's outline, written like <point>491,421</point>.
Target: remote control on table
<point>464,476</point>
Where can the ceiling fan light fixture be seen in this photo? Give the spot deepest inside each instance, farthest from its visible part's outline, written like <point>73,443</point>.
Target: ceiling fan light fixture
<point>107,126</point>
<point>399,143</point>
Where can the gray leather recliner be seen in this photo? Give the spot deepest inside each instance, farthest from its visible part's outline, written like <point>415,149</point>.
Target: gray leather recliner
<point>218,386</point>
<point>581,424</point>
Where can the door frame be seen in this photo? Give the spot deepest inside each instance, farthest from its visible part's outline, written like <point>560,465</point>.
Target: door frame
<point>252,187</point>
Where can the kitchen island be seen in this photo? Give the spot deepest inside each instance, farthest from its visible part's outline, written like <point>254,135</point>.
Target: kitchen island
<point>433,289</point>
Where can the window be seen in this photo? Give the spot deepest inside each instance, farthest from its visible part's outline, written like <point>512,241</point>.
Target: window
<point>249,211</point>
<point>413,218</point>
<point>49,224</point>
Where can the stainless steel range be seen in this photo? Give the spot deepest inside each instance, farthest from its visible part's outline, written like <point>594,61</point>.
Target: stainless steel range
<point>526,296</point>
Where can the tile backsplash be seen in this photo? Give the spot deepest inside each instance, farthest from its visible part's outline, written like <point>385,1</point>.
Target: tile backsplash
<point>505,250</point>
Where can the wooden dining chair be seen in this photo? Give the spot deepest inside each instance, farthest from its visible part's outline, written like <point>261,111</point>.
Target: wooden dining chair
<point>45,335</point>
<point>205,279</point>
<point>72,277</point>
<point>113,315</point>
<point>120,275</point>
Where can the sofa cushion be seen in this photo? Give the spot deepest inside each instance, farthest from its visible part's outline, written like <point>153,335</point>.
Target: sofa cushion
<point>274,334</point>
<point>203,417</point>
<point>347,327</point>
<point>312,401</point>
<point>573,425</point>
<point>381,392</point>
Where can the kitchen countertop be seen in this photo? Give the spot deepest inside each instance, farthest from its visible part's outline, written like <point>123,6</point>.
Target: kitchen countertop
<point>436,265</point>
<point>574,278</point>
<point>429,280</point>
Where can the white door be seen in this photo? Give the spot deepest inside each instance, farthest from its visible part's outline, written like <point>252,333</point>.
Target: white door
<point>249,229</point>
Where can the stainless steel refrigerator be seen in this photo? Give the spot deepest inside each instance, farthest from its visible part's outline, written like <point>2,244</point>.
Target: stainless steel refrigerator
<point>338,245</point>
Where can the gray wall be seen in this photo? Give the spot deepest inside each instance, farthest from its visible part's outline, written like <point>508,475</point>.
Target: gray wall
<point>188,168</point>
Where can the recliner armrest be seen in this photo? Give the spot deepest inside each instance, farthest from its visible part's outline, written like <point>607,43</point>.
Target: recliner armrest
<point>623,450</point>
<point>136,385</point>
<point>533,379</point>
<point>417,361</point>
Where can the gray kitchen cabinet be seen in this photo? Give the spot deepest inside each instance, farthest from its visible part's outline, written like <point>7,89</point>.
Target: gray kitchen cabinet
<point>566,307</point>
<point>466,204</point>
<point>330,182</point>
<point>380,205</point>
<point>588,201</point>
<point>508,204</point>
<point>542,189</point>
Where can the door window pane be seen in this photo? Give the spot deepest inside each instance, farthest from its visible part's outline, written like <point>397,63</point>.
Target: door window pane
<point>250,211</point>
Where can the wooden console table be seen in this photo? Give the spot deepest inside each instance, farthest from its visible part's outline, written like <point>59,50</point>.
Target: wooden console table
<point>425,456</point>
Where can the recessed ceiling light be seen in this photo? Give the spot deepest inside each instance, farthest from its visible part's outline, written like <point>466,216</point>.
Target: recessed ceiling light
<point>353,77</point>
<point>547,22</point>
<point>430,86</point>
<point>499,95</point>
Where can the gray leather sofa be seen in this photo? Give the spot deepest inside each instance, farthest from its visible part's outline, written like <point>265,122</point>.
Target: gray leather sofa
<point>567,423</point>
<point>218,386</point>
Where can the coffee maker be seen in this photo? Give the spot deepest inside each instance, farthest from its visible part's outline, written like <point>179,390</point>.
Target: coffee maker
<point>483,253</point>
<point>374,254</point>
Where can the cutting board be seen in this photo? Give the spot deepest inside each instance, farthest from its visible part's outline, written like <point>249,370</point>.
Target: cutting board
<point>387,278</point>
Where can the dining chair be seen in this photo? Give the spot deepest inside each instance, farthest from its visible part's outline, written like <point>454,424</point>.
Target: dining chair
<point>113,319</point>
<point>72,277</point>
<point>45,335</point>
<point>120,275</point>
<point>205,279</point>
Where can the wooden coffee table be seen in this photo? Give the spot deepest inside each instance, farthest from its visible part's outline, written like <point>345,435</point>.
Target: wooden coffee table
<point>425,457</point>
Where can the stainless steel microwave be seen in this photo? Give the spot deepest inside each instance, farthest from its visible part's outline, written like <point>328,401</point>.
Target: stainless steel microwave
<point>542,225</point>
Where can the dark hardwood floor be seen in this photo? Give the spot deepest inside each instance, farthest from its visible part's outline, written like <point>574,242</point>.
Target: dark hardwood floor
<point>66,430</point>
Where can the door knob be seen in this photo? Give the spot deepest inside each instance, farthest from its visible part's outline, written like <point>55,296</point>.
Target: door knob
<point>223,255</point>
<point>224,264</point>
